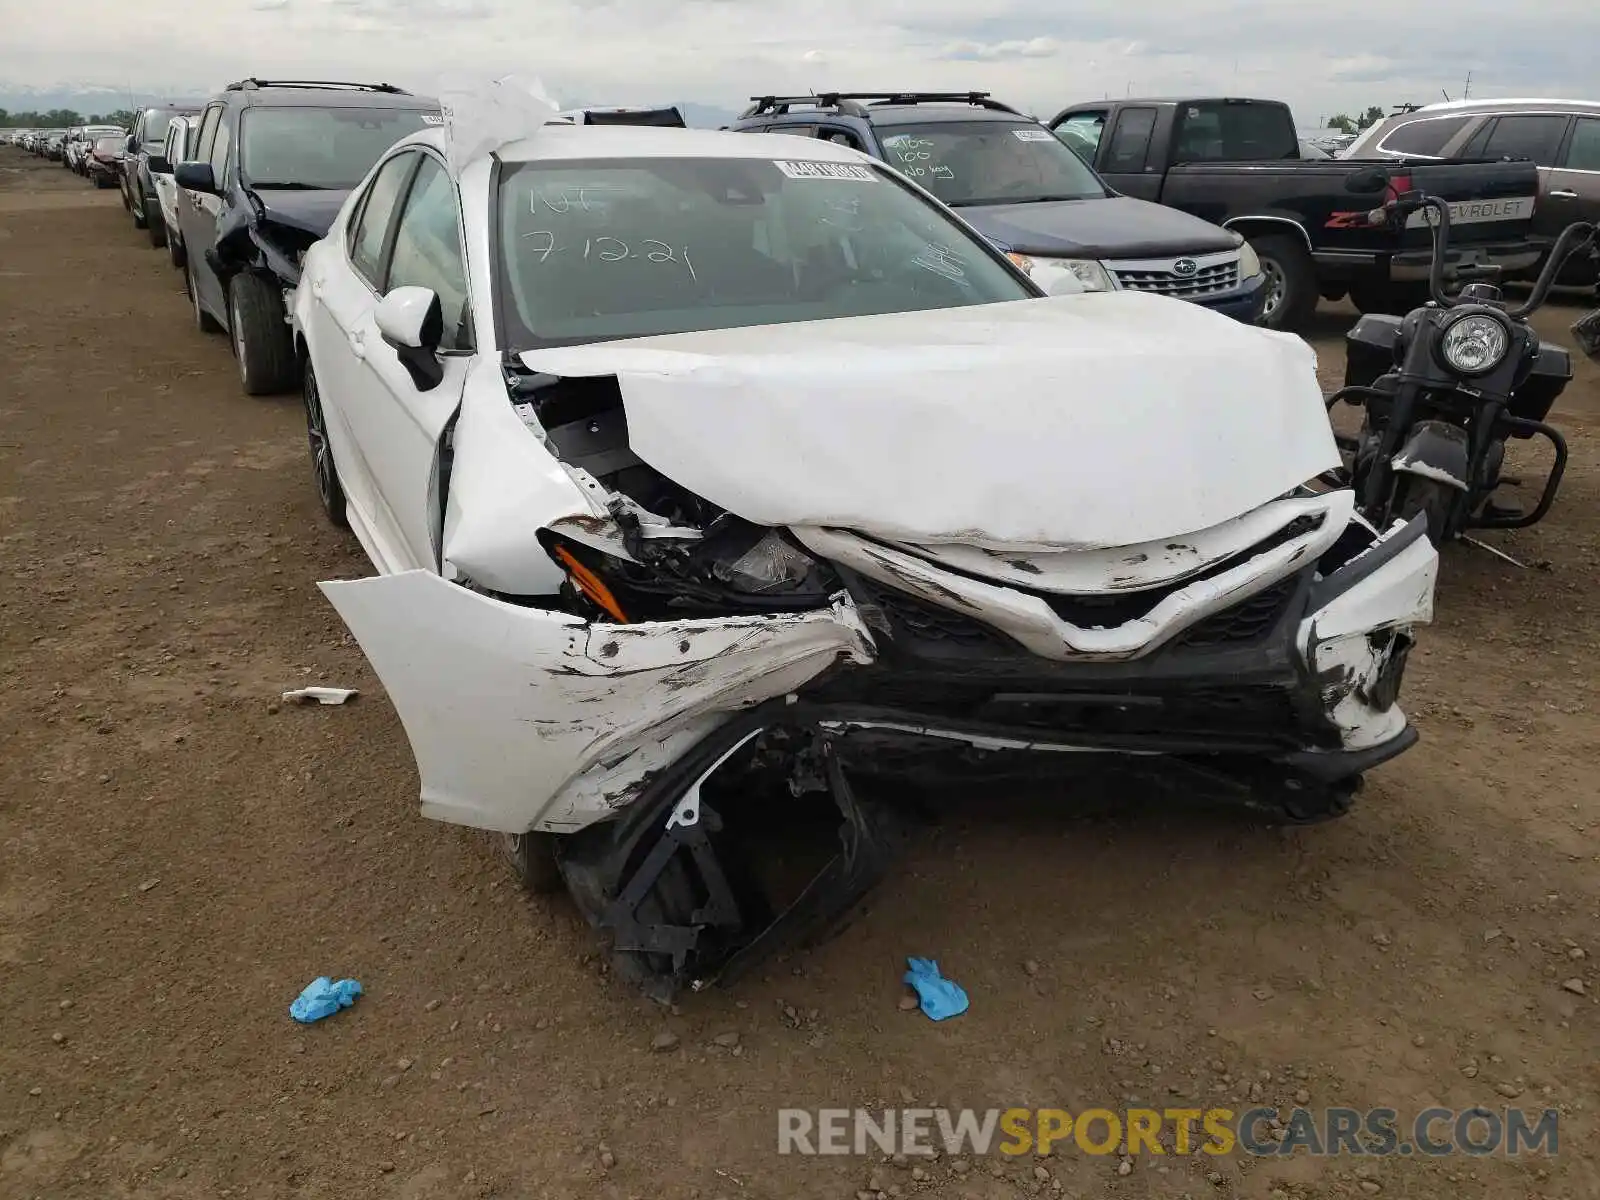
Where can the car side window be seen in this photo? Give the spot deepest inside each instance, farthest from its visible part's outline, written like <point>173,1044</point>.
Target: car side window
<point>1536,136</point>
<point>1427,137</point>
<point>220,148</point>
<point>427,250</point>
<point>1583,152</point>
<point>208,132</point>
<point>793,130</point>
<point>370,232</point>
<point>1130,140</point>
<point>840,137</point>
<point>1084,130</point>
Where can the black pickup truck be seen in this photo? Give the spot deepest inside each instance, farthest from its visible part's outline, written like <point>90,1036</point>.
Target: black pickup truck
<point>1238,163</point>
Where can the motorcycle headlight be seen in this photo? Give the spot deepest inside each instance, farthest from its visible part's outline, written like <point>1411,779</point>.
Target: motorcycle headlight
<point>1249,262</point>
<point>1474,344</point>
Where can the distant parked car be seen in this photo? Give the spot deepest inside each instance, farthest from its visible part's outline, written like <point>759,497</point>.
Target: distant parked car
<point>1561,137</point>
<point>143,162</point>
<point>175,148</point>
<point>1014,182</point>
<point>103,163</point>
<point>273,163</point>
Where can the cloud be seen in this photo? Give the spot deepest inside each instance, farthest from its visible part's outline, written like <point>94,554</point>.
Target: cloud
<point>1039,47</point>
<point>1036,54</point>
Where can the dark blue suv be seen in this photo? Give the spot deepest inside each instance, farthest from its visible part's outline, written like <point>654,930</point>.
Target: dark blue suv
<point>1018,185</point>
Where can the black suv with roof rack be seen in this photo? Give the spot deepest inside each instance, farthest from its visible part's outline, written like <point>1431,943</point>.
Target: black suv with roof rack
<point>274,161</point>
<point>1015,182</point>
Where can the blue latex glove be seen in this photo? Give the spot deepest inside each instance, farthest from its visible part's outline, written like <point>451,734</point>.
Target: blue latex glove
<point>940,997</point>
<point>323,997</point>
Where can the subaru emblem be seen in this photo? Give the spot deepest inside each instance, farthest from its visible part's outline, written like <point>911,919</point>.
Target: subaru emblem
<point>1185,267</point>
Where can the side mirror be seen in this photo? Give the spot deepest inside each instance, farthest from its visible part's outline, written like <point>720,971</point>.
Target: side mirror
<point>132,145</point>
<point>411,320</point>
<point>159,165</point>
<point>1373,179</point>
<point>196,177</point>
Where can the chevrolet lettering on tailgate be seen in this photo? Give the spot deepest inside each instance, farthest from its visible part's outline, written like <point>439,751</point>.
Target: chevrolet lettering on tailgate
<point>1476,212</point>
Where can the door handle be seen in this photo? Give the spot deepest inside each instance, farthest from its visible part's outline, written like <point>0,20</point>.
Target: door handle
<point>358,343</point>
<point>1563,194</point>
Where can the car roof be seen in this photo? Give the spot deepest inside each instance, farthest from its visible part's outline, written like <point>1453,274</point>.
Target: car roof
<point>1446,106</point>
<point>304,96</point>
<point>927,114</point>
<point>642,141</point>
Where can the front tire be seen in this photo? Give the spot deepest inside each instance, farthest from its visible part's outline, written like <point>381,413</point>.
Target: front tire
<point>532,858</point>
<point>175,248</point>
<point>324,472</point>
<point>1291,283</point>
<point>1438,501</point>
<point>261,340</point>
<point>158,232</point>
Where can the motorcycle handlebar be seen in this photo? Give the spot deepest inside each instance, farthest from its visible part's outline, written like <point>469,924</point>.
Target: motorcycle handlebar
<point>1572,238</point>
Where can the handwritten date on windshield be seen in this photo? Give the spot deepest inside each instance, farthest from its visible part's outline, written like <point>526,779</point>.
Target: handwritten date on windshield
<point>610,249</point>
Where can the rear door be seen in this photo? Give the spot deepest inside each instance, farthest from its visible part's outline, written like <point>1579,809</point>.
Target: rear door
<point>1126,162</point>
<point>1535,136</point>
<point>1574,183</point>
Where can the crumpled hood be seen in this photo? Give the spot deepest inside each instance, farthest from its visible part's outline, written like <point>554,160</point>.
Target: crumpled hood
<point>1061,423</point>
<point>312,212</point>
<point>1117,227</point>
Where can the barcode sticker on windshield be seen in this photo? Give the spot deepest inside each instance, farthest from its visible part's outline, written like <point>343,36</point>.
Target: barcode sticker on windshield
<point>824,170</point>
<point>1032,135</point>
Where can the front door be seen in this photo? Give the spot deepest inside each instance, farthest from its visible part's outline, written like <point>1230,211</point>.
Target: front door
<point>398,424</point>
<point>343,295</point>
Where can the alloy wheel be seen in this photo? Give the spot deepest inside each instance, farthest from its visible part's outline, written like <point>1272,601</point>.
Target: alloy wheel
<point>317,436</point>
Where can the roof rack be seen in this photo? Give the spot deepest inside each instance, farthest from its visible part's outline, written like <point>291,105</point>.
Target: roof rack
<point>251,84</point>
<point>850,102</point>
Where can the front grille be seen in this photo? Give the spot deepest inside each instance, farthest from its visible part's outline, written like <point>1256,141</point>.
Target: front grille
<point>927,622</point>
<point>1252,618</point>
<point>1208,278</point>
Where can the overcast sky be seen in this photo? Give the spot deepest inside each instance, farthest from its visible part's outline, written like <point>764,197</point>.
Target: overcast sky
<point>1041,54</point>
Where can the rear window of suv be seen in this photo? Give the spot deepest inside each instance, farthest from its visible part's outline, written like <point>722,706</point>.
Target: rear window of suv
<point>1427,137</point>
<point>323,148</point>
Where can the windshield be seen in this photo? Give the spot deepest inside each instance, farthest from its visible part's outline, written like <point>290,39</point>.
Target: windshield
<point>990,162</point>
<point>616,248</point>
<point>321,147</point>
<point>155,126</point>
<point>109,145</point>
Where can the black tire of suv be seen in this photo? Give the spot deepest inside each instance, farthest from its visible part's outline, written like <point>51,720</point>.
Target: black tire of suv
<point>261,340</point>
<point>175,248</point>
<point>157,231</point>
<point>1286,255</point>
<point>122,186</point>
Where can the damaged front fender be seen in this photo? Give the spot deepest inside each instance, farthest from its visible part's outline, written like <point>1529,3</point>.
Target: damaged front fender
<point>526,719</point>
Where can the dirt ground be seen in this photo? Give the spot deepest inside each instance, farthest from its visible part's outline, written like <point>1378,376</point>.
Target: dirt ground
<point>178,857</point>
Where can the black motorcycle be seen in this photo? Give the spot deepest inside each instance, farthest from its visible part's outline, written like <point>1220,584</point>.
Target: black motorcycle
<point>1447,385</point>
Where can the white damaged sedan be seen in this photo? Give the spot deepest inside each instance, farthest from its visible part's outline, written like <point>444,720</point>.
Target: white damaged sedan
<point>714,480</point>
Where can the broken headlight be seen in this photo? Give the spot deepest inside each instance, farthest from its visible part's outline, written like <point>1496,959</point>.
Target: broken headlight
<point>770,565</point>
<point>734,568</point>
